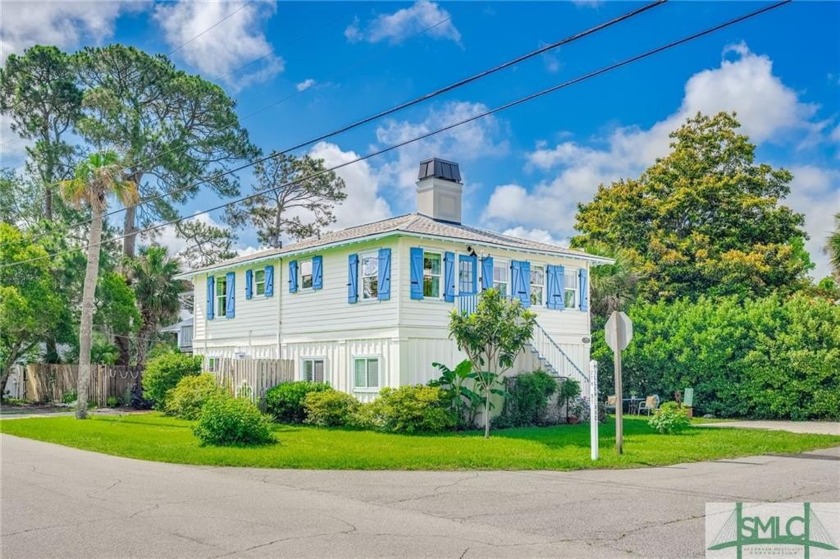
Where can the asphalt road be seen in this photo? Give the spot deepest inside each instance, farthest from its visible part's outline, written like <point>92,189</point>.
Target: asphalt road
<point>61,502</point>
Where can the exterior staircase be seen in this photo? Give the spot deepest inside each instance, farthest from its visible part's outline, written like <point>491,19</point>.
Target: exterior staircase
<point>553,359</point>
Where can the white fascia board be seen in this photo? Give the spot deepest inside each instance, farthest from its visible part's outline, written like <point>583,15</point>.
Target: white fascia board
<point>280,257</point>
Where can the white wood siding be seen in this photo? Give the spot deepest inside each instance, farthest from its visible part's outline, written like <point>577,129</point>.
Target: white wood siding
<point>252,331</point>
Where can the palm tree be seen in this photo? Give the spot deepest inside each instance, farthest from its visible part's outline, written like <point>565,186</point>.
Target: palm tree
<point>832,247</point>
<point>94,179</point>
<point>153,274</point>
<point>614,286</point>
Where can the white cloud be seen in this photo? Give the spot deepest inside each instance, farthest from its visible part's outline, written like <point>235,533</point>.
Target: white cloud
<point>480,138</point>
<point>65,24</point>
<point>768,110</point>
<point>538,235</point>
<point>815,192</point>
<point>364,203</point>
<point>422,16</point>
<point>305,84</point>
<point>12,146</point>
<point>221,50</point>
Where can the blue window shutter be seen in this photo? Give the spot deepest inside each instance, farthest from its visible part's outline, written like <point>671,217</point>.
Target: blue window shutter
<point>584,295</point>
<point>269,281</point>
<point>384,274</point>
<point>486,272</point>
<point>293,276</point>
<point>211,296</point>
<point>561,287</point>
<point>525,283</point>
<point>353,278</point>
<point>249,283</point>
<point>230,285</point>
<point>554,286</point>
<point>449,276</point>
<point>416,273</point>
<point>317,272</point>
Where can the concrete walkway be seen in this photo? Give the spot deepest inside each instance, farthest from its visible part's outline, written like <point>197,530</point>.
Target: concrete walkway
<point>815,427</point>
<point>62,502</point>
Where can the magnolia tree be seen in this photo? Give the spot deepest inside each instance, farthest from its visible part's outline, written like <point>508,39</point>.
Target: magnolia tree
<point>492,337</point>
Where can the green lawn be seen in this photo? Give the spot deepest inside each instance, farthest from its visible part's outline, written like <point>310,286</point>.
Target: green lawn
<point>154,437</point>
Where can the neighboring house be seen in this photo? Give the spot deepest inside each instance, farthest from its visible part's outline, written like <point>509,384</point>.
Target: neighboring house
<point>183,331</point>
<point>368,306</point>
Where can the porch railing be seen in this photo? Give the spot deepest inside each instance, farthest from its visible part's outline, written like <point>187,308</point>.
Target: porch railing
<point>559,360</point>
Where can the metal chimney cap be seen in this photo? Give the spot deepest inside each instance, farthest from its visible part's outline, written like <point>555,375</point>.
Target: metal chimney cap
<point>439,168</point>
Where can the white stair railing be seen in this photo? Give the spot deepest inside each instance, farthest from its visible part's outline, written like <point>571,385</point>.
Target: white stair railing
<point>550,351</point>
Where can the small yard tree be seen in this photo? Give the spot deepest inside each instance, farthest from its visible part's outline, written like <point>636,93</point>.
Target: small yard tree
<point>492,337</point>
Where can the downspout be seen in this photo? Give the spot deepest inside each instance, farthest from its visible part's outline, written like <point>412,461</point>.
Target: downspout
<point>278,276</point>
<point>206,325</point>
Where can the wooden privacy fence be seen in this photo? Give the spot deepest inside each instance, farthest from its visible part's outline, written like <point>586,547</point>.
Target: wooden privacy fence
<point>250,378</point>
<point>49,383</point>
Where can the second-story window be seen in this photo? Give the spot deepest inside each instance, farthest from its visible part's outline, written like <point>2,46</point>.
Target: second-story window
<point>570,289</point>
<point>306,274</point>
<point>537,284</point>
<point>431,274</point>
<point>501,277</point>
<point>370,276</point>
<point>221,296</point>
<point>259,282</point>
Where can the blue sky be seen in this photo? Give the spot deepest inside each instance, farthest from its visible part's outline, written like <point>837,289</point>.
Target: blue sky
<point>300,69</point>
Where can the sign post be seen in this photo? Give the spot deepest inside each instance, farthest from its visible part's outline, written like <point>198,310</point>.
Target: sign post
<point>593,408</point>
<point>619,332</point>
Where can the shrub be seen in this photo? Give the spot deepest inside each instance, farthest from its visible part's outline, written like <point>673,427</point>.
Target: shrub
<point>526,402</point>
<point>569,391</point>
<point>330,408</point>
<point>69,397</point>
<point>284,402</point>
<point>579,409</point>
<point>669,418</point>
<point>112,401</point>
<point>226,421</point>
<point>408,409</point>
<point>189,396</point>
<point>163,373</point>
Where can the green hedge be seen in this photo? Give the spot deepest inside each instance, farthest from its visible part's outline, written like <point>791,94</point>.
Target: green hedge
<point>408,409</point>
<point>330,408</point>
<point>526,401</point>
<point>189,396</point>
<point>769,358</point>
<point>164,372</point>
<point>228,421</point>
<point>285,402</point>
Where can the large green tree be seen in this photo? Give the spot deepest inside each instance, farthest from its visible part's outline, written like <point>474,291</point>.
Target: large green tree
<point>38,91</point>
<point>153,273</point>
<point>296,200</point>
<point>29,307</point>
<point>95,178</point>
<point>832,247</point>
<point>705,219</point>
<point>175,132</point>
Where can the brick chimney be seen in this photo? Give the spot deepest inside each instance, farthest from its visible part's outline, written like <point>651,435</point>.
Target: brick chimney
<point>439,190</point>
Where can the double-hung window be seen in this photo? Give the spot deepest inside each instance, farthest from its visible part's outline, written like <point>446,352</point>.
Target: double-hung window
<point>259,282</point>
<point>366,373</point>
<point>501,277</point>
<point>466,276</point>
<point>570,289</point>
<point>306,274</point>
<point>313,370</point>
<point>370,276</point>
<point>537,285</point>
<point>221,296</point>
<point>432,274</point>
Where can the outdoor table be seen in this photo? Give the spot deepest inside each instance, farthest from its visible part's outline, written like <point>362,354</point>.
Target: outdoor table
<point>633,404</point>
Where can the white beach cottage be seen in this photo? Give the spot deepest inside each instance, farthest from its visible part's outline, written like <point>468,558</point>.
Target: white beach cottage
<point>368,306</point>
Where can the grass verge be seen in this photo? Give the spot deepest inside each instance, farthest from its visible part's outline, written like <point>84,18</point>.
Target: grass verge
<point>155,437</point>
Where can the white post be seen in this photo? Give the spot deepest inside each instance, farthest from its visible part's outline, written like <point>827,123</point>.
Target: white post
<point>593,407</point>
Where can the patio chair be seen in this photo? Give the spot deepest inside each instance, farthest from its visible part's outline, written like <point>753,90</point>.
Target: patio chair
<point>651,403</point>
<point>612,401</point>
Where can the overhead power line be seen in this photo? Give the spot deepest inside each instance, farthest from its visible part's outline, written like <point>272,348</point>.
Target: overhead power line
<point>473,118</point>
<point>402,106</point>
